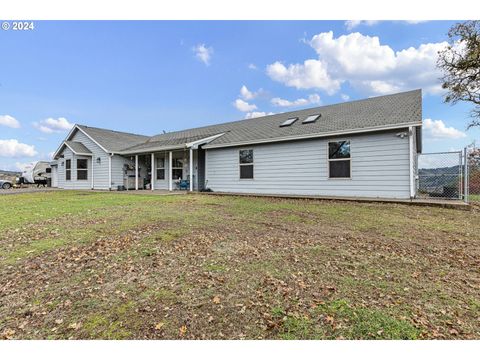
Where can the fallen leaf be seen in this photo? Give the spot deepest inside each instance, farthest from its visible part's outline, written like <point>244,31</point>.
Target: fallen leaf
<point>183,330</point>
<point>216,300</point>
<point>159,325</point>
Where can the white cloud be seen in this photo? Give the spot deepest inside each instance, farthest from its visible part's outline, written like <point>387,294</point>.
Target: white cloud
<point>13,148</point>
<point>312,99</point>
<point>9,121</point>
<point>203,53</point>
<point>364,63</point>
<point>247,94</point>
<point>256,114</point>
<point>345,97</point>
<point>244,106</point>
<point>436,129</point>
<point>52,125</point>
<point>311,74</point>
<point>252,66</point>
<point>350,24</point>
<point>22,166</point>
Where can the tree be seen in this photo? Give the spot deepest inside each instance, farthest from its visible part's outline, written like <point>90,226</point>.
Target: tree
<point>460,63</point>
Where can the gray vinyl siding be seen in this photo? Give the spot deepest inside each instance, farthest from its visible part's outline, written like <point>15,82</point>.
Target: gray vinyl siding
<point>100,169</point>
<point>73,183</point>
<point>379,168</point>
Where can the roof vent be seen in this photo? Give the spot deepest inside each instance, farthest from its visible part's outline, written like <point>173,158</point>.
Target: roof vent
<point>289,122</point>
<point>311,119</point>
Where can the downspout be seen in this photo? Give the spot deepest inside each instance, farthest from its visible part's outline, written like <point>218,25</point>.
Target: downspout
<point>93,184</point>
<point>412,161</point>
<point>110,172</point>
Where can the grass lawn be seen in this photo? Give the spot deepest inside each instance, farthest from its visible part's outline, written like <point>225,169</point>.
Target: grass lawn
<point>87,265</point>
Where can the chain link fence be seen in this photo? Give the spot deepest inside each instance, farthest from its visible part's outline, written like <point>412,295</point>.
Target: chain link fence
<point>473,174</point>
<point>440,175</point>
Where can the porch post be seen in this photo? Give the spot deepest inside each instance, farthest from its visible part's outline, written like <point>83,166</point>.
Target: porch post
<point>170,187</point>
<point>136,172</point>
<point>152,166</point>
<point>92,161</point>
<point>191,169</point>
<point>109,171</point>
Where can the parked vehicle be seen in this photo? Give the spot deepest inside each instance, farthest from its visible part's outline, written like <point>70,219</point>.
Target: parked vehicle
<point>39,173</point>
<point>5,184</point>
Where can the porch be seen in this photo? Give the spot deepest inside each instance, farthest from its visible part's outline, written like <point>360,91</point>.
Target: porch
<point>169,170</point>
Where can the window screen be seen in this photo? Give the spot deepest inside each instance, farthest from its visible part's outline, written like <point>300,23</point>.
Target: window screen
<point>161,169</point>
<point>68,169</point>
<point>339,159</point>
<point>82,169</point>
<point>246,164</point>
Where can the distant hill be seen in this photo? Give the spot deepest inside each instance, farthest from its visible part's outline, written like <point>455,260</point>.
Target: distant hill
<point>10,173</point>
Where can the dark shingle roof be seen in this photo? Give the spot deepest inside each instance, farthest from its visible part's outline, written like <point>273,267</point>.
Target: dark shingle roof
<point>78,147</point>
<point>113,140</point>
<point>368,114</point>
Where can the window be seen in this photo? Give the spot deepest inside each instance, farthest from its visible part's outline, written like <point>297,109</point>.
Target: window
<point>49,170</point>
<point>311,119</point>
<point>246,164</point>
<point>289,122</point>
<point>177,169</point>
<point>339,159</point>
<point>161,169</point>
<point>68,169</point>
<point>82,169</point>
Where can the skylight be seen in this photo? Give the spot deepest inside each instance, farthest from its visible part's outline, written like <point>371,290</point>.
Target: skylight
<point>311,119</point>
<point>289,122</point>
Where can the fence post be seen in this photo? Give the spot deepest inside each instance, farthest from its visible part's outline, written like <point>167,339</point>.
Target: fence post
<point>465,176</point>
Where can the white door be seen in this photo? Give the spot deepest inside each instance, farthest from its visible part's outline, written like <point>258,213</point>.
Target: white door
<point>54,176</point>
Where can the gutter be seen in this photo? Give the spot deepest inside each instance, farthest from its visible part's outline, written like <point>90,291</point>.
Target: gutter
<point>313,136</point>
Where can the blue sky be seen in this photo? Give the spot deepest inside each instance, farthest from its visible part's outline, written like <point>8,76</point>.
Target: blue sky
<point>146,77</point>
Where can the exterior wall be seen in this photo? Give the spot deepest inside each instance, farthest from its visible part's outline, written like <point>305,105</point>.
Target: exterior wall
<point>73,183</point>
<point>100,169</point>
<point>380,168</point>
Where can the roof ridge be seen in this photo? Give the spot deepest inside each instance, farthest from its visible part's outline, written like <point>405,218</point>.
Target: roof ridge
<point>115,131</point>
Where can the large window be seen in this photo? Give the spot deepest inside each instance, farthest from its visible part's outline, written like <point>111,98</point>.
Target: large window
<point>161,169</point>
<point>82,169</point>
<point>339,160</point>
<point>177,169</point>
<point>68,169</point>
<point>246,164</point>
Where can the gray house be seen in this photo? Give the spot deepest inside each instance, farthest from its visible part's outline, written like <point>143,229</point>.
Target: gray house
<point>364,148</point>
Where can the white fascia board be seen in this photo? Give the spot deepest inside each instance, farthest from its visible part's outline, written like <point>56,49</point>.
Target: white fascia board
<point>196,143</point>
<point>150,150</point>
<point>313,136</point>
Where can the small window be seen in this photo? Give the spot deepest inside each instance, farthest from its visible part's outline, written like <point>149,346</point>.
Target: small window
<point>161,169</point>
<point>339,160</point>
<point>82,169</point>
<point>289,122</point>
<point>246,164</point>
<point>177,169</point>
<point>49,170</point>
<point>68,169</point>
<point>311,119</point>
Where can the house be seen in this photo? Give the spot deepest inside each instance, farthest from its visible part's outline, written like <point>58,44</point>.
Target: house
<point>364,148</point>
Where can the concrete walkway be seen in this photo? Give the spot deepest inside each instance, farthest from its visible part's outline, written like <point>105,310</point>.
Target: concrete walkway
<point>451,204</point>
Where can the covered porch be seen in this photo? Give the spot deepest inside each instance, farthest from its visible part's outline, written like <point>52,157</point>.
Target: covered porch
<point>168,170</point>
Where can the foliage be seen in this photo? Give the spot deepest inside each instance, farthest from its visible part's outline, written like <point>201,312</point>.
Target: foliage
<point>460,63</point>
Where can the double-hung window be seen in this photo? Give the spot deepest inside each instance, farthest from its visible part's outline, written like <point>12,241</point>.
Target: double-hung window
<point>68,169</point>
<point>160,168</point>
<point>339,160</point>
<point>246,164</point>
<point>82,169</point>
<point>177,169</point>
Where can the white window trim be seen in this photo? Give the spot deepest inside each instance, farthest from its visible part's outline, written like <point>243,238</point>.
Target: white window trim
<point>178,168</point>
<point>68,169</point>
<point>248,164</point>
<point>343,159</point>
<point>160,168</point>
<point>86,170</point>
